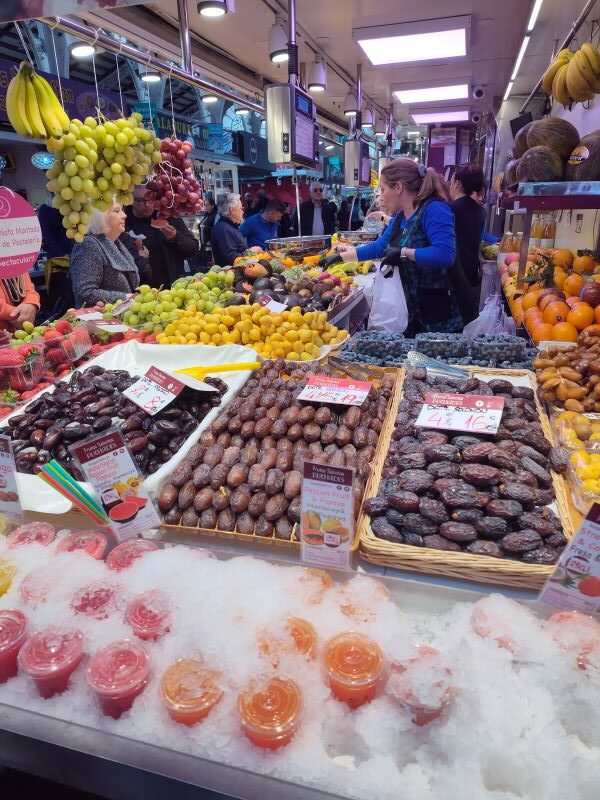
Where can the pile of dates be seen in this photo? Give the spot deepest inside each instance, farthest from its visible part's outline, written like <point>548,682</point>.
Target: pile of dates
<point>92,401</point>
<point>245,473</point>
<point>484,495</point>
<point>571,378</point>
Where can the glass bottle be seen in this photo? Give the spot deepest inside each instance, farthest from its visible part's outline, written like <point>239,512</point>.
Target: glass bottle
<point>549,232</point>
<point>535,238</point>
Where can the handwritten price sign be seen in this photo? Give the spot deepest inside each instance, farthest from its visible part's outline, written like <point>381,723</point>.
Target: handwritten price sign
<point>321,389</point>
<point>154,391</point>
<point>472,413</point>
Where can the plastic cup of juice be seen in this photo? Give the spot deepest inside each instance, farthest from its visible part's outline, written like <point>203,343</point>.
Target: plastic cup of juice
<point>148,614</point>
<point>318,582</point>
<point>7,573</point>
<point>32,532</point>
<point>355,668</point>
<point>269,712</point>
<point>96,600</point>
<point>94,543</point>
<point>189,691</point>
<point>117,674</point>
<point>13,629</point>
<point>421,685</point>
<point>37,585</point>
<point>303,636</point>
<point>124,554</point>
<point>50,657</point>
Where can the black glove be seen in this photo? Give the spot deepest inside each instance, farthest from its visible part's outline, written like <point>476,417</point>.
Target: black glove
<point>392,257</point>
<point>329,261</point>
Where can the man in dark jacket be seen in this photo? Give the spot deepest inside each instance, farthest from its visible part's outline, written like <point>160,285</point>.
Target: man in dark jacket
<point>316,216</point>
<point>226,239</point>
<point>168,246</point>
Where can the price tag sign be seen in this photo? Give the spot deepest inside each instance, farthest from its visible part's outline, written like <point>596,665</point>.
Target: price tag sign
<point>109,466</point>
<point>271,304</point>
<point>154,391</point>
<point>575,583</point>
<point>323,389</point>
<point>88,315</point>
<point>327,517</point>
<point>122,307</point>
<point>110,326</point>
<point>473,413</point>
<point>10,505</point>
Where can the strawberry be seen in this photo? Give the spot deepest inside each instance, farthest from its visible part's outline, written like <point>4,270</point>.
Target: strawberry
<point>62,369</point>
<point>95,349</point>
<point>55,355</point>
<point>51,335</point>
<point>151,339</point>
<point>11,358</point>
<point>62,326</point>
<point>4,410</point>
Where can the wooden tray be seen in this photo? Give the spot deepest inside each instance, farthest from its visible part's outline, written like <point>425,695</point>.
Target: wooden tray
<point>481,569</point>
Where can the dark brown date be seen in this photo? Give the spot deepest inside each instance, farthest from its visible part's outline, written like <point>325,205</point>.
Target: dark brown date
<point>481,547</point>
<point>458,531</point>
<point>521,541</point>
<point>437,542</point>
<point>415,523</point>
<point>415,480</point>
<point>403,501</point>
<point>376,506</point>
<point>433,510</point>
<point>479,475</point>
<point>506,509</point>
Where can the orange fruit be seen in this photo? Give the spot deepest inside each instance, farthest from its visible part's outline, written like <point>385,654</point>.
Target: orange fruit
<point>532,317</point>
<point>573,285</point>
<point>530,300</point>
<point>548,297</point>
<point>556,312</point>
<point>564,332</point>
<point>562,258</point>
<point>584,265</point>
<point>542,332</point>
<point>560,276</point>
<point>573,301</point>
<point>581,316</point>
<point>597,315</point>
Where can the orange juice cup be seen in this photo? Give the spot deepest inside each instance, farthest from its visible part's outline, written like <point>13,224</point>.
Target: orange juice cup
<point>303,635</point>
<point>32,532</point>
<point>189,692</point>
<point>355,668</point>
<point>574,632</point>
<point>320,580</point>
<point>50,657</point>
<point>118,674</point>
<point>13,629</point>
<point>422,685</point>
<point>124,554</point>
<point>148,614</point>
<point>94,543</point>
<point>269,712</point>
<point>7,573</point>
<point>96,600</point>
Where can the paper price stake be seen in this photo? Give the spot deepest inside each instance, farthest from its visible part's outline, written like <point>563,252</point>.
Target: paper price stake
<point>472,413</point>
<point>157,389</point>
<point>344,392</point>
<point>10,505</point>
<point>271,304</point>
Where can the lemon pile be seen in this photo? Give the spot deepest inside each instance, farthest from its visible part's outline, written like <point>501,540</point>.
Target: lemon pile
<point>291,334</point>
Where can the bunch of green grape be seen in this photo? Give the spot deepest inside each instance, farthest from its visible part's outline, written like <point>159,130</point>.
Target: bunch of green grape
<point>96,164</point>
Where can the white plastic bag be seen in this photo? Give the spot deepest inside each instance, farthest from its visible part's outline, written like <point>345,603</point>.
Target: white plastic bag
<point>492,321</point>
<point>388,308</point>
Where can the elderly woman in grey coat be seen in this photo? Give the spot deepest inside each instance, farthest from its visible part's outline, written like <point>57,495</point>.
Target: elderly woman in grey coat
<point>102,268</point>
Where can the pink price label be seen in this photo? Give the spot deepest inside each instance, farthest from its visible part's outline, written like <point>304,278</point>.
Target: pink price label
<point>154,391</point>
<point>472,413</point>
<point>322,389</point>
<point>20,234</point>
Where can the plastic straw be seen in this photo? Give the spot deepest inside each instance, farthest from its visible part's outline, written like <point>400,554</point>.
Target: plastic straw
<point>62,476</point>
<point>51,481</point>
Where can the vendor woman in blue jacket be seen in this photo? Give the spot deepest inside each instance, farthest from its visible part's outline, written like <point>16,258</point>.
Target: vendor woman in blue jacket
<point>422,232</point>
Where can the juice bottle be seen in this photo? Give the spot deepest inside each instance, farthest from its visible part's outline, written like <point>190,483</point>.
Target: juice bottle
<point>148,614</point>
<point>118,674</point>
<point>96,600</point>
<point>124,554</point>
<point>7,573</point>
<point>269,712</point>
<point>13,629</point>
<point>38,532</point>
<point>355,668</point>
<point>548,232</point>
<point>94,543</point>
<point>422,685</point>
<point>50,657</point>
<point>189,691</point>
<point>535,236</point>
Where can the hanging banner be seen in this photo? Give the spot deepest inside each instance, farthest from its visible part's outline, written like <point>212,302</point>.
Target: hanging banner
<point>20,234</point>
<point>30,9</point>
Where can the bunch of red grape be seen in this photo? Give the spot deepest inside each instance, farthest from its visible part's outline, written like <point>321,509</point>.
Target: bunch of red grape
<point>172,187</point>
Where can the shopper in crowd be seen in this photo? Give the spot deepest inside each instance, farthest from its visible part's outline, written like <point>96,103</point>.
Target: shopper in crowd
<point>357,218</point>
<point>263,226</point>
<point>344,216</point>
<point>248,205</point>
<point>205,227</point>
<point>102,268</point>
<point>228,242</point>
<point>423,244</point>
<point>334,210</point>
<point>469,220</point>
<point>316,216</point>
<point>19,302</point>
<point>260,201</point>
<point>286,225</point>
<point>168,246</point>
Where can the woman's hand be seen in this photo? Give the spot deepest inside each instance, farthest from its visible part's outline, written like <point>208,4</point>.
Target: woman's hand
<point>379,216</point>
<point>144,252</point>
<point>347,253</point>
<point>25,312</point>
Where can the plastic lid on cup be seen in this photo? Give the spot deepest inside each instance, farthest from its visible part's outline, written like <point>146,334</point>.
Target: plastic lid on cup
<point>422,683</point>
<point>38,532</point>
<point>7,573</point>
<point>124,554</point>
<point>94,543</point>
<point>51,650</point>
<point>37,585</point>
<point>96,600</point>
<point>354,659</point>
<point>303,635</point>
<point>148,614</point>
<point>270,710</point>
<point>189,688</point>
<point>119,668</point>
<point>13,629</point>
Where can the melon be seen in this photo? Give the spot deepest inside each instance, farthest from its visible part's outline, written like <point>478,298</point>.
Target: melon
<point>540,164</point>
<point>520,145</point>
<point>557,134</point>
<point>584,162</point>
<point>510,172</point>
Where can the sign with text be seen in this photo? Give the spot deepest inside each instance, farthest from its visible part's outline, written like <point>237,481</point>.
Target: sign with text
<point>473,413</point>
<point>323,389</point>
<point>327,517</point>
<point>575,583</point>
<point>10,505</point>
<point>20,234</point>
<point>108,465</point>
<point>158,388</point>
<point>88,315</point>
<point>271,304</point>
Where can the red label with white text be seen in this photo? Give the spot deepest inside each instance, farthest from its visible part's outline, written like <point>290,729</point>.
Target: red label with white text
<point>473,413</point>
<point>341,391</point>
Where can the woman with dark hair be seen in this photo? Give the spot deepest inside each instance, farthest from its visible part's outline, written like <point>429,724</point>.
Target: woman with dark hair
<point>469,217</point>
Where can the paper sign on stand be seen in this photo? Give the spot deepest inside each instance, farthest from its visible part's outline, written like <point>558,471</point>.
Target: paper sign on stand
<point>327,517</point>
<point>110,326</point>
<point>575,583</point>
<point>10,505</point>
<point>108,465</point>
<point>122,307</point>
<point>88,315</point>
<point>472,413</point>
<point>20,233</point>
<point>271,304</point>
<point>341,391</point>
<point>157,388</point>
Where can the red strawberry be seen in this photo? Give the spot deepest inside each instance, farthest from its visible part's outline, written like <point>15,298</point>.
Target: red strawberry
<point>150,339</point>
<point>55,355</point>
<point>11,358</point>
<point>62,326</point>
<point>62,369</point>
<point>51,335</point>
<point>95,349</point>
<point>129,335</point>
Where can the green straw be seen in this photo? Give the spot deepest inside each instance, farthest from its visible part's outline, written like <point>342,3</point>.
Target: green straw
<point>52,481</point>
<point>63,477</point>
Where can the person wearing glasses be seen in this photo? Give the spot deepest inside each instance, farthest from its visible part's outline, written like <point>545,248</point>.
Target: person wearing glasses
<point>316,216</point>
<point>168,246</point>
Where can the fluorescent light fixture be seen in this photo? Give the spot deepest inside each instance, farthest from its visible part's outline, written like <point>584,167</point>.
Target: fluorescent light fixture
<point>427,116</point>
<point>278,41</point>
<point>150,77</point>
<point>520,57</point>
<point>212,8</point>
<point>317,76</point>
<point>431,94</point>
<point>380,127</point>
<point>508,91</point>
<point>366,118</point>
<point>330,147</point>
<point>209,98</point>
<point>82,50</point>
<point>413,133</point>
<point>242,112</point>
<point>534,15</point>
<point>428,40</point>
<point>350,109</point>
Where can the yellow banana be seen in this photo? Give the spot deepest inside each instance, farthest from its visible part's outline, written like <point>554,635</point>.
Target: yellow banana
<point>585,67</point>
<point>559,86</point>
<point>61,114</point>
<point>13,107</point>
<point>576,82</point>
<point>590,66</point>
<point>562,58</point>
<point>49,119</point>
<point>593,56</point>
<point>32,110</point>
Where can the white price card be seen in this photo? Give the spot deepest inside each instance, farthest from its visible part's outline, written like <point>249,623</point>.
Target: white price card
<point>158,388</point>
<point>323,389</point>
<point>473,413</point>
<point>575,582</point>
<point>88,315</point>
<point>10,505</point>
<point>109,466</point>
<point>271,304</point>
<point>327,517</point>
<point>123,306</point>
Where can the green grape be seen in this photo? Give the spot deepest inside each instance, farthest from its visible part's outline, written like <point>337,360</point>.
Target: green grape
<point>109,139</point>
<point>109,154</point>
<point>65,222</point>
<point>64,209</point>
<point>91,143</point>
<point>70,233</point>
<point>74,127</point>
<point>78,237</point>
<point>119,148</point>
<point>88,186</point>
<point>82,228</point>
<point>102,183</point>
<point>67,193</point>
<point>84,218</point>
<point>73,218</point>
<point>149,148</point>
<point>121,123</point>
<point>75,205</point>
<point>82,147</point>
<point>69,153</point>
<point>57,201</point>
<point>69,139</point>
<point>84,174</point>
<point>116,168</point>
<point>117,181</point>
<point>156,157</point>
<point>52,186</point>
<point>80,197</point>
<point>90,122</point>
<point>81,161</point>
<point>85,131</point>
<point>101,205</point>
<point>122,138</point>
<point>108,173</point>
<point>93,157</point>
<point>101,165</point>
<point>107,196</point>
<point>76,183</point>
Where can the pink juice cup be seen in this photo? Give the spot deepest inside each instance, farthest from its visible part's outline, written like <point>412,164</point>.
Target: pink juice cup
<point>50,657</point>
<point>13,625</point>
<point>37,585</point>
<point>117,674</point>
<point>124,554</point>
<point>94,543</point>
<point>148,614</point>
<point>97,600</point>
<point>38,532</point>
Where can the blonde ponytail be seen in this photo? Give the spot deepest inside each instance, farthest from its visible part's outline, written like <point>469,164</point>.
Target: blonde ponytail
<point>423,182</point>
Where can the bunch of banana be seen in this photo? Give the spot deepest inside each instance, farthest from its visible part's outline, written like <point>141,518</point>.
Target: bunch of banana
<point>351,268</point>
<point>32,106</point>
<point>574,77</point>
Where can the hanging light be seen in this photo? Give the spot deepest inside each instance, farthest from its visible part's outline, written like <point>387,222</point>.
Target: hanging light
<point>150,76</point>
<point>380,127</point>
<point>278,41</point>
<point>350,109</point>
<point>212,8</point>
<point>242,112</point>
<point>42,159</point>
<point>82,50</point>
<point>367,118</point>
<point>209,98</point>
<point>317,77</point>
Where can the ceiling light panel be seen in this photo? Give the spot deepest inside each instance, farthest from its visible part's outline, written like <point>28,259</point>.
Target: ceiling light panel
<point>428,116</point>
<point>432,94</point>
